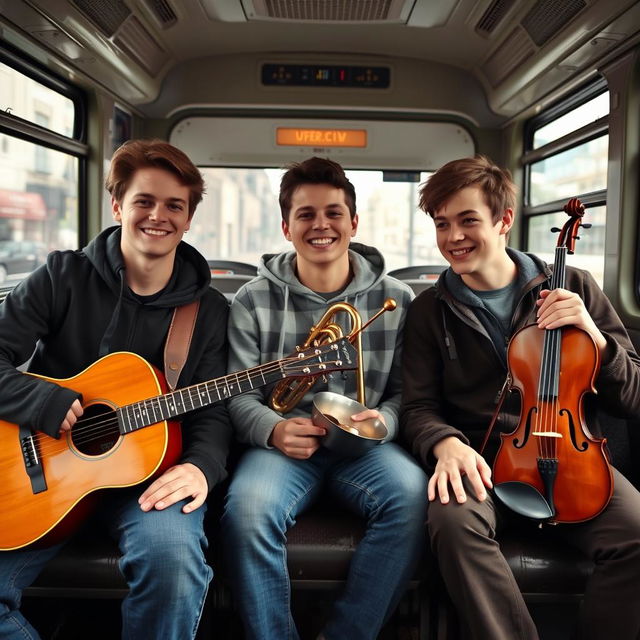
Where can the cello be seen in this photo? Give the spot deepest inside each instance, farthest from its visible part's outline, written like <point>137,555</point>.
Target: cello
<point>551,467</point>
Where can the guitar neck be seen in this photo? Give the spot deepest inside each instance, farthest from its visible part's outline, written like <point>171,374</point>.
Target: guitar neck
<point>171,405</point>
<point>336,356</point>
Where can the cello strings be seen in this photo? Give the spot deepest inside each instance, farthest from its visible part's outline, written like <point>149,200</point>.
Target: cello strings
<point>549,372</point>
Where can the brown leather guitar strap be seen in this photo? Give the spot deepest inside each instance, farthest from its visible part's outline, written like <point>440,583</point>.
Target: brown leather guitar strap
<point>176,347</point>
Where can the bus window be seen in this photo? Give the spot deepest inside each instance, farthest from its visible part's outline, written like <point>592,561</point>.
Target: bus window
<point>39,173</point>
<point>589,253</point>
<point>239,218</point>
<point>581,169</point>
<point>581,116</point>
<point>30,100</point>
<point>566,156</point>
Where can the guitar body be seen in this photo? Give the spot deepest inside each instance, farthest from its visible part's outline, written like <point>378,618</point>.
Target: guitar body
<point>84,461</point>
<point>125,436</point>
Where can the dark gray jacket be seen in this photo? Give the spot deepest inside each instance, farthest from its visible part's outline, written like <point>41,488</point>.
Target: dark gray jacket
<point>453,371</point>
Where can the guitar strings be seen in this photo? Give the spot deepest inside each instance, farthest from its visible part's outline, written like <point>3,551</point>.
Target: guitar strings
<point>96,427</point>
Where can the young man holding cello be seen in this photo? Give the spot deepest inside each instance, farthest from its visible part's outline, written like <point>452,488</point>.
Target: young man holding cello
<point>118,294</point>
<point>455,364</point>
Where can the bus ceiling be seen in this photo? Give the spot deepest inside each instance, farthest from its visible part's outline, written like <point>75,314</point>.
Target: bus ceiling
<point>511,53</point>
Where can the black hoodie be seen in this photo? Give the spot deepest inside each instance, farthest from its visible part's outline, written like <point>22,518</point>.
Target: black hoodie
<point>78,307</point>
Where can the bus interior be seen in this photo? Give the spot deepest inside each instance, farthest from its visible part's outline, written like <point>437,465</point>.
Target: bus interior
<point>392,90</point>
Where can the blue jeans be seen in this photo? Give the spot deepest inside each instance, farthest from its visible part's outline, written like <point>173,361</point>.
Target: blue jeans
<point>162,560</point>
<point>269,490</point>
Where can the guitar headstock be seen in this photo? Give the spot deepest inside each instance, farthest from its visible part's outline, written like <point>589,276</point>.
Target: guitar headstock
<point>569,232</point>
<point>339,355</point>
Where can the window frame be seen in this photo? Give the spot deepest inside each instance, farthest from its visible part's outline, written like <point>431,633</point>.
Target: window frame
<point>580,136</point>
<point>17,127</point>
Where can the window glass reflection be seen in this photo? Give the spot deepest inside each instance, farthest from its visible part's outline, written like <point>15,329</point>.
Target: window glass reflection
<point>38,205</point>
<point>239,218</point>
<point>579,170</point>
<point>589,249</point>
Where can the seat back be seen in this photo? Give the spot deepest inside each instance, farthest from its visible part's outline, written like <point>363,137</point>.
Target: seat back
<point>227,276</point>
<point>419,277</point>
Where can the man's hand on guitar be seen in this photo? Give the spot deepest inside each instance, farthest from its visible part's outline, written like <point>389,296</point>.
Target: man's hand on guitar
<point>75,411</point>
<point>176,483</point>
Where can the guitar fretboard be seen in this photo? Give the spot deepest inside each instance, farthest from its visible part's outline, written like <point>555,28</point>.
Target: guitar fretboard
<point>146,412</point>
<point>142,414</point>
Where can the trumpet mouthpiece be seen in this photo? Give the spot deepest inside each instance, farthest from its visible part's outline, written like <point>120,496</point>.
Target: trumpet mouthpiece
<point>389,304</point>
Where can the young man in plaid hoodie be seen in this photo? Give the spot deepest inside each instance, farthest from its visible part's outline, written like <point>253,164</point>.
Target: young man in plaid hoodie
<point>285,468</point>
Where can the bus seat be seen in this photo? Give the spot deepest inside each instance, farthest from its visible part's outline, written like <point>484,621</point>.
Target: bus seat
<point>419,277</point>
<point>86,567</point>
<point>231,267</point>
<point>320,546</point>
<point>319,550</point>
<point>549,572</point>
<point>4,291</point>
<point>227,276</point>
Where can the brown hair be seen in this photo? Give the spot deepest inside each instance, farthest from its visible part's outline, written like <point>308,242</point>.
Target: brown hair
<point>315,171</point>
<point>496,184</point>
<point>139,154</point>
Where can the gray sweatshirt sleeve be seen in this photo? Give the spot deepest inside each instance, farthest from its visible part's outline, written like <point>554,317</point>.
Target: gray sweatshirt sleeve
<point>389,405</point>
<point>252,419</point>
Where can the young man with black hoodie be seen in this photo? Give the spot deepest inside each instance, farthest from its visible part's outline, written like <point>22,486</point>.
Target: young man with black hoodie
<point>454,367</point>
<point>285,468</point>
<point>119,294</point>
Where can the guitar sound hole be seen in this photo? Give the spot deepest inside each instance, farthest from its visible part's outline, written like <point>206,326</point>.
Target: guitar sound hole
<point>96,432</point>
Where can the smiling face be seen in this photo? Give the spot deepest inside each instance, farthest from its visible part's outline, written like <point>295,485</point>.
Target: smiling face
<point>154,214</point>
<point>320,226</point>
<point>471,242</point>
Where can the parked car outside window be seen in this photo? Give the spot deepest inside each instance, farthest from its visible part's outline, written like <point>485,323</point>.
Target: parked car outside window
<point>19,258</point>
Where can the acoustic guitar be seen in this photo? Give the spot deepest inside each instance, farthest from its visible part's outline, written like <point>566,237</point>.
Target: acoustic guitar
<point>124,437</point>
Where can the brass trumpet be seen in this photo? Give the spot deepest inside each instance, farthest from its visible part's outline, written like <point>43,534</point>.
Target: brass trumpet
<point>288,392</point>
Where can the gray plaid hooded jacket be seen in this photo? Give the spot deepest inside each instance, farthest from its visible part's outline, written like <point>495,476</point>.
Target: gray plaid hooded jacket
<point>274,312</point>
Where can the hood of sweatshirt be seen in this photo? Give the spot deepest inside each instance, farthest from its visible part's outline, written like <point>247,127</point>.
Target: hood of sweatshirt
<point>190,279</point>
<point>451,288</point>
<point>367,264</point>
<point>449,282</point>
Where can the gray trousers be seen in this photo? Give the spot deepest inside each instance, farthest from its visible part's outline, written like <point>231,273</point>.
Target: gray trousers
<point>485,593</point>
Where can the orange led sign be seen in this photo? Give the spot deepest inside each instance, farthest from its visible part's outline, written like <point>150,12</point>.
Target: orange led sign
<point>291,137</point>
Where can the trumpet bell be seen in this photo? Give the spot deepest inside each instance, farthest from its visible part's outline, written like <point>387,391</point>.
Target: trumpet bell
<point>344,436</point>
<point>287,393</point>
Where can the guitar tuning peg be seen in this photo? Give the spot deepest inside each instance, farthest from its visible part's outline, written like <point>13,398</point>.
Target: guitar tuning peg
<point>325,379</point>
<point>588,225</point>
<point>577,237</point>
<point>556,229</point>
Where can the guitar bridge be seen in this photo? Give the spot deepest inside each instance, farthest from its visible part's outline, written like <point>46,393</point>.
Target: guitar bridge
<point>32,461</point>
